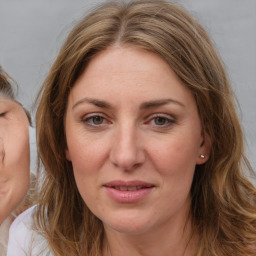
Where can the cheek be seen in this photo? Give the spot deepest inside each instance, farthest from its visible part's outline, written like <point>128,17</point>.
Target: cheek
<point>17,150</point>
<point>86,151</point>
<point>85,156</point>
<point>86,160</point>
<point>86,168</point>
<point>19,165</point>
<point>176,166</point>
<point>175,162</point>
<point>175,154</point>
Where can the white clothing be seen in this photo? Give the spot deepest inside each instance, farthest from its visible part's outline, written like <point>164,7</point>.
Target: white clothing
<point>4,232</point>
<point>24,240</point>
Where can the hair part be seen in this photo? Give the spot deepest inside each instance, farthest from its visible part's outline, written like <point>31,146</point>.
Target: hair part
<point>223,200</point>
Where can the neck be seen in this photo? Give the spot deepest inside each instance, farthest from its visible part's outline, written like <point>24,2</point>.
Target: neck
<point>168,239</point>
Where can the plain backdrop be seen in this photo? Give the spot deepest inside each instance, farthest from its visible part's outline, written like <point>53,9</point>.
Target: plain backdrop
<point>32,31</point>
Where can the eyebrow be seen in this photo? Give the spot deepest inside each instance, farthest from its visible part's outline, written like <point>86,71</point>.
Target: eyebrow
<point>145,105</point>
<point>158,103</point>
<point>96,102</point>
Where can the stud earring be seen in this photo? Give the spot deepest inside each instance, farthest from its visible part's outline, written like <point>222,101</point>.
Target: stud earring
<point>202,156</point>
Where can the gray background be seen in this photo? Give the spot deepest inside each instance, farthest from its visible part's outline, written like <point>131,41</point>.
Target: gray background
<point>33,30</point>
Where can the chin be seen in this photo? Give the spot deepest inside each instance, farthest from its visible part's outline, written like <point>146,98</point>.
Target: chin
<point>130,224</point>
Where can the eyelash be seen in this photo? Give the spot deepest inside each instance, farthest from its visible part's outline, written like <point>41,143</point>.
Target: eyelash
<point>167,121</point>
<point>90,119</point>
<point>2,114</point>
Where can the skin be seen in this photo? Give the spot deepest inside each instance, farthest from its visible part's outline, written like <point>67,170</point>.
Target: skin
<point>14,156</point>
<point>130,118</point>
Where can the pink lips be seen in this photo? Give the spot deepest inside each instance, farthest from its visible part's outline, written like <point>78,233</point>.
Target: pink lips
<point>128,192</point>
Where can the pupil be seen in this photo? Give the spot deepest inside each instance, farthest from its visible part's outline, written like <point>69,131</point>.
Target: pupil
<point>97,120</point>
<point>160,121</point>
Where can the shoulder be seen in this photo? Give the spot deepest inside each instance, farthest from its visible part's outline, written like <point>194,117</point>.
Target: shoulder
<point>24,238</point>
<point>4,233</point>
<point>24,222</point>
<point>21,232</point>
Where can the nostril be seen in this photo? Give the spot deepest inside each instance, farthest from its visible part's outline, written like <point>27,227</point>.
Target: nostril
<point>133,167</point>
<point>125,152</point>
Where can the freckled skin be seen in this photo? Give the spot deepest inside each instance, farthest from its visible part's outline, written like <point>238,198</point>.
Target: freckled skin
<point>130,142</point>
<point>14,156</point>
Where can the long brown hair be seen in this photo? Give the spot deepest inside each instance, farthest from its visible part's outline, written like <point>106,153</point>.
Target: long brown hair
<point>223,200</point>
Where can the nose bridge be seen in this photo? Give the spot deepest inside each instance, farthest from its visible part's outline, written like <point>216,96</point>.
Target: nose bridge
<point>126,152</point>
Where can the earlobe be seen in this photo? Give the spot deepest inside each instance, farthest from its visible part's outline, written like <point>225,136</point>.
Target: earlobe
<point>205,149</point>
<point>202,158</point>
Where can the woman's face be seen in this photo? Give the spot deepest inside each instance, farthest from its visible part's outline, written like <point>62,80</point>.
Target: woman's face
<point>14,156</point>
<point>134,138</point>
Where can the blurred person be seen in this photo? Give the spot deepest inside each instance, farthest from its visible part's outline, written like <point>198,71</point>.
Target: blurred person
<point>14,158</point>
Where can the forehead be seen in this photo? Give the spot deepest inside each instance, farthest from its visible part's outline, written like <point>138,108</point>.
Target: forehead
<point>5,99</point>
<point>128,64</point>
<point>121,73</point>
<point>7,104</point>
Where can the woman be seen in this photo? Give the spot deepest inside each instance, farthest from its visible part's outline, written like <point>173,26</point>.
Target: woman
<point>140,142</point>
<point>14,158</point>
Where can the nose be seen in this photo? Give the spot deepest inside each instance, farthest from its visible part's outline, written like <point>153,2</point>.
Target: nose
<point>127,151</point>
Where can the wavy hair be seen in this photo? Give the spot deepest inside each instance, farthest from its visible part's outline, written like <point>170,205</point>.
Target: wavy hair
<point>223,200</point>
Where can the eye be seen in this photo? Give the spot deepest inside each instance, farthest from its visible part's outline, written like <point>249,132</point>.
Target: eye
<point>2,114</point>
<point>161,121</point>
<point>95,120</point>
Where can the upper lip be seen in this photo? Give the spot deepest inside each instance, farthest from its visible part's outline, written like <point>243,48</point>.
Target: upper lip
<point>133,183</point>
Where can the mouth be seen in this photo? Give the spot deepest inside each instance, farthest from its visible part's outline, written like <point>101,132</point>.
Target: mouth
<point>128,192</point>
<point>127,188</point>
<point>128,185</point>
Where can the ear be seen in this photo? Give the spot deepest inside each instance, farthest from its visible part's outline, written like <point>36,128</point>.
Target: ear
<point>67,154</point>
<point>205,148</point>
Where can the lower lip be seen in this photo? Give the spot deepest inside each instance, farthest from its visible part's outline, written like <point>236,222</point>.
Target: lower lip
<point>128,196</point>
